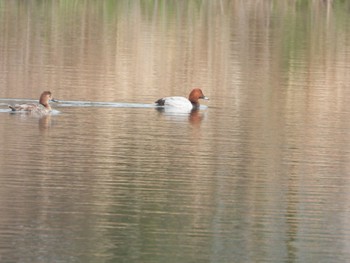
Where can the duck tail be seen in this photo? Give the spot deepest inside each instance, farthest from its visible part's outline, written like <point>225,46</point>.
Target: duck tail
<point>160,102</point>
<point>13,108</point>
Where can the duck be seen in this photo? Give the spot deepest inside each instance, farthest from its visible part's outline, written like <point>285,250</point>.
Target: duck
<point>183,103</point>
<point>43,108</point>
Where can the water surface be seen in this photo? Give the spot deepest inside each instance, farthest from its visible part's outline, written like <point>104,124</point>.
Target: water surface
<point>259,175</point>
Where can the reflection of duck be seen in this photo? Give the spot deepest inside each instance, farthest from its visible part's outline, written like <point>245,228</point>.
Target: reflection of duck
<point>42,108</point>
<point>195,117</point>
<point>45,122</point>
<point>181,102</point>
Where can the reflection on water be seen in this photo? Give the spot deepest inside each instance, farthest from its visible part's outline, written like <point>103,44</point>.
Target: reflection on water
<point>45,122</point>
<point>258,174</point>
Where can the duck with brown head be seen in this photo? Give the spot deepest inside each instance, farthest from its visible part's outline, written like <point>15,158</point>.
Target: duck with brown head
<point>181,102</point>
<point>42,108</point>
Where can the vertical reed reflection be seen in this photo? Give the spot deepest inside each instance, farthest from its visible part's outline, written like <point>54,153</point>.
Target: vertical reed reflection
<point>137,48</point>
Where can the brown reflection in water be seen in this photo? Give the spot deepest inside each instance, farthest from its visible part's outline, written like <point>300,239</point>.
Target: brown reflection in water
<point>196,117</point>
<point>45,123</point>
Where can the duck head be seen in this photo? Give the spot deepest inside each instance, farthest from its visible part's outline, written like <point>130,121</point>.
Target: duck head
<point>45,97</point>
<point>195,95</point>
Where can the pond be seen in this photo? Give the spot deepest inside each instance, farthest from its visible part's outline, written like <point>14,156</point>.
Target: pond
<point>260,173</point>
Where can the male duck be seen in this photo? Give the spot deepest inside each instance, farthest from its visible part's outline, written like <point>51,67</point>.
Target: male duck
<point>183,103</point>
<point>42,108</point>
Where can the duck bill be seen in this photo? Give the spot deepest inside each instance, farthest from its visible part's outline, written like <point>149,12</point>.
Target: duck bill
<point>205,98</point>
<point>54,100</point>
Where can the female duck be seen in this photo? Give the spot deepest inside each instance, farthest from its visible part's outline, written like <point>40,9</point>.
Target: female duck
<point>183,103</point>
<point>42,108</point>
